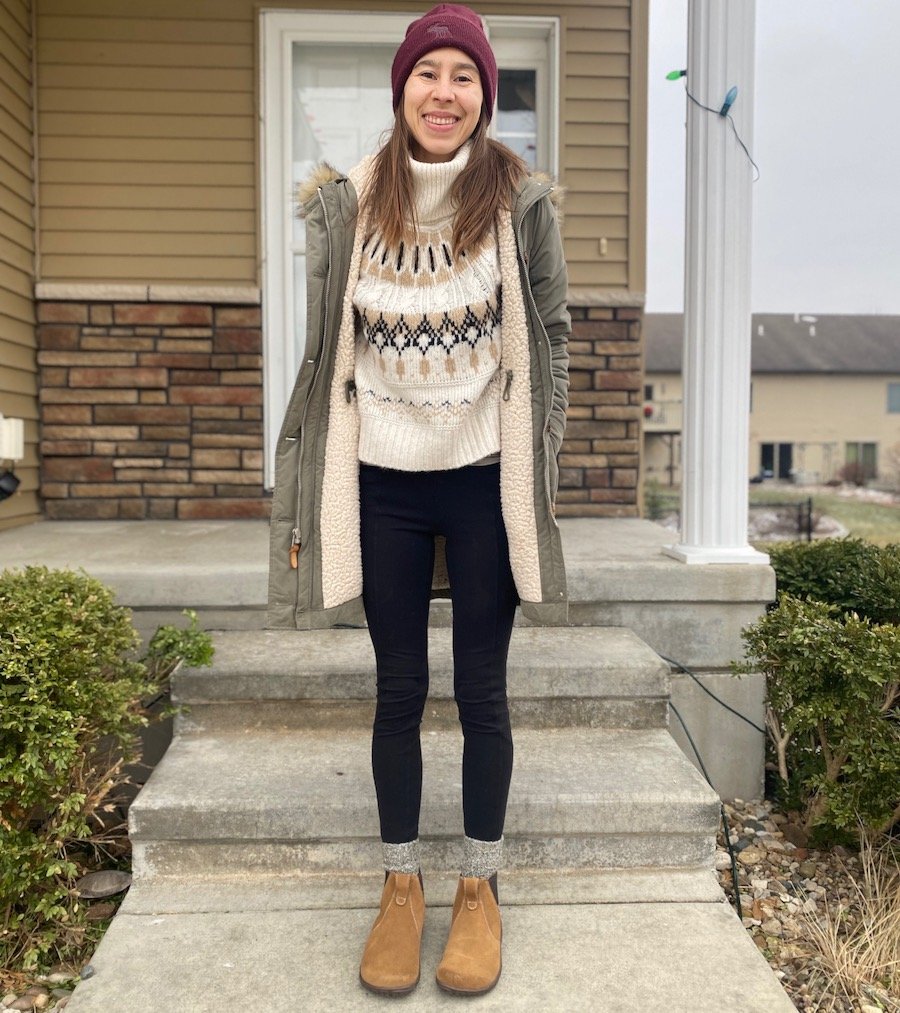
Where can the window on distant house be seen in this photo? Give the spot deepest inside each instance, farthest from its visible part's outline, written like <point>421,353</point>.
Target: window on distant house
<point>776,460</point>
<point>893,398</point>
<point>865,454</point>
<point>648,391</point>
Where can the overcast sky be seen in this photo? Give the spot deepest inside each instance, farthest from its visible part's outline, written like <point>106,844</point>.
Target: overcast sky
<point>826,208</point>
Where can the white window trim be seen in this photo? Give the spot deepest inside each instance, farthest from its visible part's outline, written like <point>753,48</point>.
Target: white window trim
<point>279,29</point>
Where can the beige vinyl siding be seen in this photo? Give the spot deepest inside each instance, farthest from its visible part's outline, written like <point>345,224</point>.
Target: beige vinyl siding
<point>18,370</point>
<point>149,161</point>
<point>150,156</point>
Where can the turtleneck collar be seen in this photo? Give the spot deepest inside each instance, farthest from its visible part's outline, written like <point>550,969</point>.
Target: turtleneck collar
<point>432,182</point>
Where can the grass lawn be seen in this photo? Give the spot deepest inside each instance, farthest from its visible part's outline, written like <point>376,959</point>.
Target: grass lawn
<point>876,522</point>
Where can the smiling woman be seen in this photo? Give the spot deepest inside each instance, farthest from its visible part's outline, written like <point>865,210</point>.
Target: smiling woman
<point>419,450</point>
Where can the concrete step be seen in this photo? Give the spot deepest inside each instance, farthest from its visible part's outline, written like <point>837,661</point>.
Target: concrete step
<point>274,800</point>
<point>243,891</point>
<point>272,954</point>
<point>556,676</point>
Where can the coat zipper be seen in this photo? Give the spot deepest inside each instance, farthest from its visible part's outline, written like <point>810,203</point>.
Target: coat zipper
<point>507,385</point>
<point>295,531</point>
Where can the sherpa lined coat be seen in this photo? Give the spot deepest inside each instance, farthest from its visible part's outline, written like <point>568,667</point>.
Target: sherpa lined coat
<point>315,511</point>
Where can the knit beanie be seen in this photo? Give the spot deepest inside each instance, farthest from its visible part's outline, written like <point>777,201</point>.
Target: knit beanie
<point>453,26</point>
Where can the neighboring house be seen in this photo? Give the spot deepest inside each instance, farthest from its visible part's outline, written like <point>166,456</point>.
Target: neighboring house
<point>825,397</point>
<point>152,269</point>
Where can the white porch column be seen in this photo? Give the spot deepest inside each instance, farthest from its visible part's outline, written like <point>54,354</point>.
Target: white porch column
<point>716,367</point>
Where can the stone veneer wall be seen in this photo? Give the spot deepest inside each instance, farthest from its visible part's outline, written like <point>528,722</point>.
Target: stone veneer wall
<point>151,410</point>
<point>599,458</point>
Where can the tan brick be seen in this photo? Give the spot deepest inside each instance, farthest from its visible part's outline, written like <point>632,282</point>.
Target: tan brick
<point>76,448</point>
<point>77,414</point>
<point>625,362</point>
<point>133,509</point>
<point>142,413</point>
<point>612,495</point>
<point>183,345</point>
<point>228,361</point>
<point>227,426</point>
<point>237,490</point>
<point>175,360</point>
<point>238,339</point>
<point>177,489</point>
<point>624,412</point>
<point>252,459</point>
<point>195,376</point>
<point>123,344</point>
<point>143,448</point>
<point>600,313</point>
<point>90,432</point>
<point>73,358</point>
<point>138,462</point>
<point>62,312</point>
<point>215,395</point>
<point>187,332</point>
<point>238,316</point>
<point>179,450</point>
<point>580,411</point>
<point>146,331</point>
<point>54,490</point>
<point>77,469</point>
<point>580,379</point>
<point>161,509</point>
<point>582,460</point>
<point>614,347</point>
<point>625,478</point>
<point>247,376</point>
<point>104,449</point>
<point>249,362</point>
<point>165,432</point>
<point>163,313</point>
<point>571,477</point>
<point>216,412</point>
<point>589,362</point>
<point>580,347</point>
<point>55,395</point>
<point>236,477</point>
<point>216,459</point>
<point>596,478</point>
<point>226,440</point>
<point>595,330</point>
<point>590,397</point>
<point>189,509</point>
<point>99,376</point>
<point>613,446</point>
<point>159,475</point>
<point>52,376</point>
<point>625,380</point>
<point>253,412</point>
<point>576,446</point>
<point>57,336</point>
<point>101,313</point>
<point>104,489</point>
<point>629,313</point>
<point>623,460</point>
<point>153,397</point>
<point>572,496</point>
<point>84,509</point>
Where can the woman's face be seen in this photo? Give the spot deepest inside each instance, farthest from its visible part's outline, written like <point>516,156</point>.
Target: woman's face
<point>442,103</point>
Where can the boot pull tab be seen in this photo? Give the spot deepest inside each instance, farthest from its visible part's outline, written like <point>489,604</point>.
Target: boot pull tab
<point>471,887</point>
<point>401,894</point>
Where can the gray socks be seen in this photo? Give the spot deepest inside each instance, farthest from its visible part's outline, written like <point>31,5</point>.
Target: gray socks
<point>480,858</point>
<point>401,857</point>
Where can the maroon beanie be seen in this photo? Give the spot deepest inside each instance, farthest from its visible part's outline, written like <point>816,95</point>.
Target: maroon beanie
<point>453,26</point>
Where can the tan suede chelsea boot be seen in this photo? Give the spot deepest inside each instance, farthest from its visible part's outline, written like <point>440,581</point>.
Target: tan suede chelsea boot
<point>471,961</point>
<point>390,960</point>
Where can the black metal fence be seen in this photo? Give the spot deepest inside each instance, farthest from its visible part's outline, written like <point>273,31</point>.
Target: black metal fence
<point>665,502</point>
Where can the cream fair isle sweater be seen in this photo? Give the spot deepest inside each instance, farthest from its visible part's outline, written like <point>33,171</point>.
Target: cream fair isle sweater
<point>427,374</point>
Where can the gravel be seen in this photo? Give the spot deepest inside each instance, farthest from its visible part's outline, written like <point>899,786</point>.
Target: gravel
<point>782,884</point>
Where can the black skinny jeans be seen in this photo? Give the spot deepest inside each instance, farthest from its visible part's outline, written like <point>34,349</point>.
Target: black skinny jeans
<point>401,512</point>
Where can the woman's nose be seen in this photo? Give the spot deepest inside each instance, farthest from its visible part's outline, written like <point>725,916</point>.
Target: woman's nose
<point>443,90</point>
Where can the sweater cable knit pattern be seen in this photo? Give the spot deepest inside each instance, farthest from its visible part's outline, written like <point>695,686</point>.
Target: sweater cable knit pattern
<point>427,360</point>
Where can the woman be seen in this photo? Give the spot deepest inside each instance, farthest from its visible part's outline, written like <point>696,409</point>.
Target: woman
<point>419,445</point>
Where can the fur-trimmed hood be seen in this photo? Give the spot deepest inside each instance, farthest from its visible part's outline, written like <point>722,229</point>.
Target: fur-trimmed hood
<point>325,173</point>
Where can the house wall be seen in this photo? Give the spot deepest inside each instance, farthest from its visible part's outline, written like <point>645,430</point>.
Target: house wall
<point>18,371</point>
<point>149,190</point>
<point>817,413</point>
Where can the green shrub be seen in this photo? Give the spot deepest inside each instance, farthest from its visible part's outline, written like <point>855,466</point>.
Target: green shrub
<point>850,573</point>
<point>832,697</point>
<point>70,704</point>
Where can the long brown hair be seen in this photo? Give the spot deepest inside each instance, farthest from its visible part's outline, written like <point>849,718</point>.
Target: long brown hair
<point>486,185</point>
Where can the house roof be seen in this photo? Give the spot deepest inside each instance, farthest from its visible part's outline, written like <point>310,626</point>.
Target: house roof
<point>789,343</point>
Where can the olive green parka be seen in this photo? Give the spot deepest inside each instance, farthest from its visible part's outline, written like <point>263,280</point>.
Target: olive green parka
<point>315,567</point>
